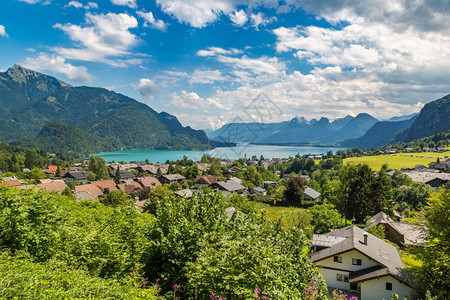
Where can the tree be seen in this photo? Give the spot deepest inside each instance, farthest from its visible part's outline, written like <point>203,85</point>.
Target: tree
<point>98,166</point>
<point>325,217</point>
<point>293,194</point>
<point>434,273</point>
<point>158,173</point>
<point>116,198</point>
<point>415,195</point>
<point>91,176</point>
<point>192,172</point>
<point>216,168</point>
<point>117,176</point>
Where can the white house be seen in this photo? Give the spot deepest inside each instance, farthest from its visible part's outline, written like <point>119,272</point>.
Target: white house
<point>360,264</point>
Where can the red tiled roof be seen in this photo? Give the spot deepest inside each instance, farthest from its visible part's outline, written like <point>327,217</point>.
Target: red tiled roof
<point>105,184</point>
<point>92,189</point>
<point>11,183</point>
<point>150,182</point>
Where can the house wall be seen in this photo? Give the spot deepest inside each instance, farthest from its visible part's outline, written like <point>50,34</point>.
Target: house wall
<point>375,289</point>
<point>331,268</point>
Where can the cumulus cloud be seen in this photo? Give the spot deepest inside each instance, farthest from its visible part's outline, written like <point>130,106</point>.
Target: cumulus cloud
<point>206,76</point>
<point>58,64</point>
<point>75,4</point>
<point>260,20</point>
<point>104,39</point>
<point>151,21</point>
<point>147,88</point>
<point>31,1</point>
<point>238,17</point>
<point>214,51</point>
<point>129,3</point>
<point>3,31</point>
<point>192,100</point>
<point>199,13</point>
<point>91,5</point>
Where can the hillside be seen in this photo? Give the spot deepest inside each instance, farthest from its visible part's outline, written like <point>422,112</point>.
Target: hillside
<point>433,118</point>
<point>57,136</point>
<point>380,134</point>
<point>118,120</point>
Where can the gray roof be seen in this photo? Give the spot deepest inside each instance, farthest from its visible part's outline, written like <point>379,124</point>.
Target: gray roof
<point>311,192</point>
<point>78,175</point>
<point>325,240</point>
<point>184,193</point>
<point>229,185</point>
<point>376,249</point>
<point>173,177</point>
<point>258,189</point>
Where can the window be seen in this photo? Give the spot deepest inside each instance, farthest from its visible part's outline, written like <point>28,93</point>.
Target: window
<point>389,286</point>
<point>339,277</point>
<point>356,261</point>
<point>346,278</point>
<point>353,286</point>
<point>338,259</point>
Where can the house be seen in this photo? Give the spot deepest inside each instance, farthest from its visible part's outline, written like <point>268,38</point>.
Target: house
<point>124,175</point>
<point>360,264</point>
<point>258,191</point>
<point>420,168</point>
<point>430,178</point>
<point>149,169</point>
<point>184,193</point>
<point>76,175</point>
<point>13,182</point>
<point>403,234</point>
<point>269,183</point>
<point>91,189</point>
<point>57,186</point>
<point>149,182</point>
<point>106,185</point>
<point>205,180</point>
<point>409,150</point>
<point>171,178</point>
<point>228,186</point>
<point>310,194</point>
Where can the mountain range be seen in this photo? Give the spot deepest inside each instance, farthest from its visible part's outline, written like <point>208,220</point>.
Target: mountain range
<point>363,130</point>
<point>42,111</point>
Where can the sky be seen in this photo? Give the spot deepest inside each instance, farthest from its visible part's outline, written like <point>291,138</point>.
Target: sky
<point>212,62</point>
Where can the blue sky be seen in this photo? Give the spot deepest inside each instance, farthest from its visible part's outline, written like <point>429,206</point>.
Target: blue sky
<point>213,62</point>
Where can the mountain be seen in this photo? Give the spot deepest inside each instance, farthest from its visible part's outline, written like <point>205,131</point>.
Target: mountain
<point>433,118</point>
<point>116,119</point>
<point>403,118</point>
<point>297,130</point>
<point>58,136</point>
<point>380,134</point>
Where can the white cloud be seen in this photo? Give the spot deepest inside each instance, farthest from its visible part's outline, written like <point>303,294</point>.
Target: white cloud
<point>214,51</point>
<point>269,65</point>
<point>3,31</point>
<point>58,64</point>
<point>75,4</point>
<point>151,21</point>
<point>104,39</point>
<point>129,3</point>
<point>147,88</point>
<point>259,19</point>
<point>192,100</point>
<point>91,5</point>
<point>31,1</point>
<point>238,17</point>
<point>206,76</point>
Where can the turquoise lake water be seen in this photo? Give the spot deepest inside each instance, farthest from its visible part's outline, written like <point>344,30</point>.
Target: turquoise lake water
<point>240,151</point>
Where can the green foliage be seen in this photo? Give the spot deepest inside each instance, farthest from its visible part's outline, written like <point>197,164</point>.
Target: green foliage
<point>363,193</point>
<point>415,195</point>
<point>118,176</point>
<point>434,273</point>
<point>377,231</point>
<point>21,278</point>
<point>157,195</point>
<point>116,198</point>
<point>325,217</point>
<point>98,166</point>
<point>215,168</point>
<point>293,194</point>
<point>194,242</point>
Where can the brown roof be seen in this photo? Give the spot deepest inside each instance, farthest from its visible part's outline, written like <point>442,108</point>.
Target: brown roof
<point>105,185</point>
<point>131,186</point>
<point>55,186</point>
<point>208,179</point>
<point>150,182</point>
<point>11,183</point>
<point>91,189</point>
<point>376,249</point>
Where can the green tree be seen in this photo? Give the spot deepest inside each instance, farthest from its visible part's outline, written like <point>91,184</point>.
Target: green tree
<point>192,172</point>
<point>91,176</point>
<point>415,195</point>
<point>325,217</point>
<point>434,273</point>
<point>98,166</point>
<point>294,192</point>
<point>116,198</point>
<point>117,176</point>
<point>215,168</point>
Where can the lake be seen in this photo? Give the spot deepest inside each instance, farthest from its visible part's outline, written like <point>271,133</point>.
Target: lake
<point>240,151</point>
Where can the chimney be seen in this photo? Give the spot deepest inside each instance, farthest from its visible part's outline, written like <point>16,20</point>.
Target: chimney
<point>365,238</point>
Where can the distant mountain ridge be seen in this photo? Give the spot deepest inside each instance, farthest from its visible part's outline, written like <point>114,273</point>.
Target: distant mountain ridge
<point>297,130</point>
<point>29,100</point>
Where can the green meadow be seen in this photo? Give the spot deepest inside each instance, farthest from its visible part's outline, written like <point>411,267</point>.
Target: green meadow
<point>397,161</point>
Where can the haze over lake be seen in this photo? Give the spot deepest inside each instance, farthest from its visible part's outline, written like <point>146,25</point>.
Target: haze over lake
<point>240,151</point>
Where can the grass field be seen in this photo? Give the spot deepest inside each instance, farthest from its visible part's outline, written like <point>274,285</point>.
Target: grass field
<point>397,161</point>
<point>290,216</point>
